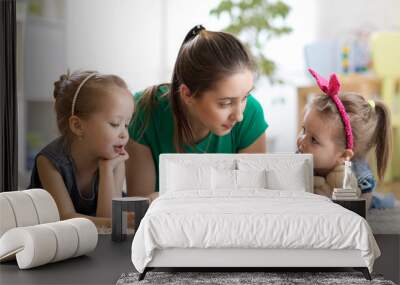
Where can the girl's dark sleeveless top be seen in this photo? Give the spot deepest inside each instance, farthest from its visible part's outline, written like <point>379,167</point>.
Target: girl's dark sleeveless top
<point>57,152</point>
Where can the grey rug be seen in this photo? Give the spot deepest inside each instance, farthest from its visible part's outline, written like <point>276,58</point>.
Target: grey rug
<point>269,278</point>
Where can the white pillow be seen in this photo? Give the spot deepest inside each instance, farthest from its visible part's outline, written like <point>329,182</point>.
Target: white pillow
<point>251,178</point>
<point>282,173</point>
<point>224,179</point>
<point>229,179</point>
<point>184,177</point>
<point>278,180</point>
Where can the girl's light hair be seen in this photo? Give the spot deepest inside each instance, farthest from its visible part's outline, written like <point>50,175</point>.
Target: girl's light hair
<point>89,99</point>
<point>370,124</point>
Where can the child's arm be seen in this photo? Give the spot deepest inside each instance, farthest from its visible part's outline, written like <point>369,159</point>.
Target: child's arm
<point>52,182</point>
<point>119,177</point>
<point>112,173</point>
<point>321,187</point>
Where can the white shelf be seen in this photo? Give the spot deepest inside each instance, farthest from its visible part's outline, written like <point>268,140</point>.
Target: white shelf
<point>44,59</point>
<point>44,55</point>
<point>48,22</point>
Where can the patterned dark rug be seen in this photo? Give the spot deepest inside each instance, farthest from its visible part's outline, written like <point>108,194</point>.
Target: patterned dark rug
<point>228,278</point>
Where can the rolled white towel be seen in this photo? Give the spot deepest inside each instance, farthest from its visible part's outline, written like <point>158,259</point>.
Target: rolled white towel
<point>24,211</point>
<point>40,244</point>
<point>26,208</point>
<point>87,235</point>
<point>45,205</point>
<point>67,239</point>
<point>7,218</point>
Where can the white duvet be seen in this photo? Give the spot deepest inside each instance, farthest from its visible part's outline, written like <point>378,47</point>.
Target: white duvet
<point>252,218</point>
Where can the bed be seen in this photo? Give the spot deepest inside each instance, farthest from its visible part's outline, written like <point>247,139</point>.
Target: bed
<point>247,210</point>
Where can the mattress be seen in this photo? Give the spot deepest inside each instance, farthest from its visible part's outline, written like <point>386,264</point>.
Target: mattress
<point>253,218</point>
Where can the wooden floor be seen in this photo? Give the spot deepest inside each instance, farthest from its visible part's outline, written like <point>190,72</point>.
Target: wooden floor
<point>390,187</point>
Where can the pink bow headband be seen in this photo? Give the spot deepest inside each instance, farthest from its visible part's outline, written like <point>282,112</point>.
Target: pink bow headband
<point>331,89</point>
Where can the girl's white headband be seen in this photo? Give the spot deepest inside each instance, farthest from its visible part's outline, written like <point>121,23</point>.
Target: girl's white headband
<point>77,91</point>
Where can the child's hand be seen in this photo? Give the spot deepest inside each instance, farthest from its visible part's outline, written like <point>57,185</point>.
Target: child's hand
<point>114,162</point>
<point>153,196</point>
<point>321,187</point>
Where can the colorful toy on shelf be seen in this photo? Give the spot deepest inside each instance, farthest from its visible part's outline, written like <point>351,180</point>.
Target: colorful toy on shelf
<point>345,62</point>
<point>342,55</point>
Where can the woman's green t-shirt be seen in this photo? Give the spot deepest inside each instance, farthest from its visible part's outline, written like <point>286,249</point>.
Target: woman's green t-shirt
<point>159,132</point>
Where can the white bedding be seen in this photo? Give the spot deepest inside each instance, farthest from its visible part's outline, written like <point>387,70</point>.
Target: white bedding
<point>250,218</point>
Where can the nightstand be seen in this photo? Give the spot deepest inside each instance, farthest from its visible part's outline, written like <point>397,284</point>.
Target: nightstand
<point>120,207</point>
<point>356,205</point>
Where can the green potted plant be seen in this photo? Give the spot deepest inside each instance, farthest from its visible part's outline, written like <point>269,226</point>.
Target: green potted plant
<point>256,22</point>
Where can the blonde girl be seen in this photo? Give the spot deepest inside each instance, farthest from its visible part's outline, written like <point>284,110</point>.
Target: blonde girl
<point>339,127</point>
<point>83,169</point>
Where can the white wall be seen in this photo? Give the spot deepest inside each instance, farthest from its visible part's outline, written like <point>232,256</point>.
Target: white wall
<point>119,36</point>
<point>280,101</point>
<point>340,17</point>
<point>182,15</point>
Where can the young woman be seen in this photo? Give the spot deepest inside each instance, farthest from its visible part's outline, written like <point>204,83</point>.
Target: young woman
<point>207,108</point>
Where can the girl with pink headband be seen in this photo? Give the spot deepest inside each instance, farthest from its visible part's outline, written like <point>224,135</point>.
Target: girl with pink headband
<point>339,127</point>
<point>84,168</point>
